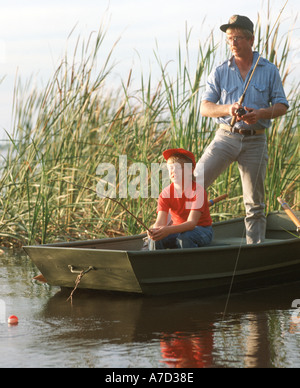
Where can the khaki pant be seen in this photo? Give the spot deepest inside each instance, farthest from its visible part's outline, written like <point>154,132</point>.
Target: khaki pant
<point>251,153</point>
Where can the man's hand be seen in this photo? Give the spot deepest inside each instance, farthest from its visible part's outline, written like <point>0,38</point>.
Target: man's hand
<point>233,108</point>
<point>251,117</point>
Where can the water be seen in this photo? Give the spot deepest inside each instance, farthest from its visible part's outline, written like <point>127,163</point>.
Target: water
<point>112,330</point>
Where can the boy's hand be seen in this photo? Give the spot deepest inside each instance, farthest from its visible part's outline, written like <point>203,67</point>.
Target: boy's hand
<point>151,232</point>
<point>159,233</point>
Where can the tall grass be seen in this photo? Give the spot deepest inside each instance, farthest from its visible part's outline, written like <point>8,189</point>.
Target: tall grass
<point>64,131</point>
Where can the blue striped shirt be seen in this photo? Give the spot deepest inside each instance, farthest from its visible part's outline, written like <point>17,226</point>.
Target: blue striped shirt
<point>225,85</point>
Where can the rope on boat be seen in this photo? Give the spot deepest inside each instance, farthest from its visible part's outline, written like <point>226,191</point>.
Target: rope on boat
<point>78,279</point>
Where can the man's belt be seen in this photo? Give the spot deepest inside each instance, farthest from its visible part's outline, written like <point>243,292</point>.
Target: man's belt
<point>245,132</point>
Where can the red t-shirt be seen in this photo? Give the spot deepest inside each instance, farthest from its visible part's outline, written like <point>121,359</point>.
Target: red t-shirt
<point>194,198</point>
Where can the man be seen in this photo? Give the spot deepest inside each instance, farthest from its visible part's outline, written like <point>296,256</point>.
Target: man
<point>245,142</point>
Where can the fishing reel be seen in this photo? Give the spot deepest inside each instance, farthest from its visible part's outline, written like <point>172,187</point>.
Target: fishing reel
<point>241,112</point>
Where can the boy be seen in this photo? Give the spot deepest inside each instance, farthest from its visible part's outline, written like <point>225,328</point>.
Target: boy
<point>187,202</point>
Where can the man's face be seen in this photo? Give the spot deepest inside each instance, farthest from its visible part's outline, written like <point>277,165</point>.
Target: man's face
<point>240,45</point>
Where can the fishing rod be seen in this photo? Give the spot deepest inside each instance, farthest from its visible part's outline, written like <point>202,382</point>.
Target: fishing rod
<point>112,199</point>
<point>210,202</point>
<point>241,111</point>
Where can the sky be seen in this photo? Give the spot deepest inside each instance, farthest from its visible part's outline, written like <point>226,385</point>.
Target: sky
<point>34,33</point>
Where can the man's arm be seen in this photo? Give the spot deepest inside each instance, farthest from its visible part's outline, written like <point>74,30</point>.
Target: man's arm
<point>211,109</point>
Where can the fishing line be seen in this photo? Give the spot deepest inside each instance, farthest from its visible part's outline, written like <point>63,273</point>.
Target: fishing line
<point>259,167</point>
<point>243,236</point>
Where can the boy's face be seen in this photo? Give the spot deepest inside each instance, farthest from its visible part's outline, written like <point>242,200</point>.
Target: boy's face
<point>176,171</point>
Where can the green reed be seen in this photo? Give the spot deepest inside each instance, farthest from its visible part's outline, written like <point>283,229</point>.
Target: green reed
<point>64,131</point>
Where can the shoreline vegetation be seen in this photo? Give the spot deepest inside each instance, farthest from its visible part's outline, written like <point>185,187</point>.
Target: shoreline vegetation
<point>64,131</point>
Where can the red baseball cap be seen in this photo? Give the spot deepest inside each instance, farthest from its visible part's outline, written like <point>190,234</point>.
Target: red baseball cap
<point>175,151</point>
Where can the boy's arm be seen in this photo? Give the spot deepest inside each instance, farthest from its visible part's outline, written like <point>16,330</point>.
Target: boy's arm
<point>161,220</point>
<point>163,231</point>
<point>189,224</point>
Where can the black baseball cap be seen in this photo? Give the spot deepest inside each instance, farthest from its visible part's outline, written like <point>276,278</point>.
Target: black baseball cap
<point>238,21</point>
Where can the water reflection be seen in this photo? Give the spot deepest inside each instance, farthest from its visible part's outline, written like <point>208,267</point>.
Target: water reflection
<point>116,330</point>
<point>190,332</point>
